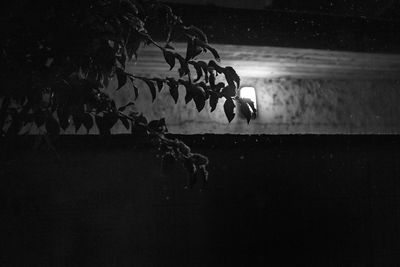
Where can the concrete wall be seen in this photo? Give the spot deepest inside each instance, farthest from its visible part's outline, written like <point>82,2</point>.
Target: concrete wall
<point>285,106</point>
<point>288,106</point>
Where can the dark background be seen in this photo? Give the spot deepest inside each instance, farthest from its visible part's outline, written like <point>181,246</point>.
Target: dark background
<point>276,200</point>
<point>299,25</point>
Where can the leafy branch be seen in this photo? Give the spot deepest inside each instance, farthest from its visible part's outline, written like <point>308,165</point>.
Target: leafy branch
<point>61,57</point>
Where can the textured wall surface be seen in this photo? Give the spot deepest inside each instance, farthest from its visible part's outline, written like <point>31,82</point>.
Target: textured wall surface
<point>285,106</point>
<point>288,106</point>
<point>298,90</point>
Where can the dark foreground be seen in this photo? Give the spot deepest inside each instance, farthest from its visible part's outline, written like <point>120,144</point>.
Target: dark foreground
<point>270,201</point>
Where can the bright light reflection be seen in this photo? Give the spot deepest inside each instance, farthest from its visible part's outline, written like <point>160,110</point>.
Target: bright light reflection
<point>249,92</point>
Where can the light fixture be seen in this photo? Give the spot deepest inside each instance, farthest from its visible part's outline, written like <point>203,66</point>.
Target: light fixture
<point>248,93</point>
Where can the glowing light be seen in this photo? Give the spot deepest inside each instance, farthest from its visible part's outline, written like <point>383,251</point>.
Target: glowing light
<point>249,92</point>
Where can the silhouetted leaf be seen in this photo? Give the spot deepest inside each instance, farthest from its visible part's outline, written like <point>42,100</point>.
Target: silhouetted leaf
<point>133,45</point>
<point>135,89</point>
<point>139,130</point>
<point>253,108</point>
<point>160,83</point>
<point>87,121</point>
<point>105,123</point>
<point>204,67</point>
<point>102,125</point>
<point>158,126</point>
<point>153,125</point>
<point>77,122</point>
<point>215,53</point>
<point>141,120</point>
<point>217,67</point>
<point>229,107</point>
<point>199,97</point>
<point>188,96</point>
<point>169,58</point>
<point>121,77</point>
<point>111,118</point>
<point>206,89</point>
<point>122,58</point>
<point>152,88</point>
<point>106,79</point>
<point>173,88</point>
<point>217,88</point>
<point>122,108</point>
<point>211,80</point>
<point>184,69</point>
<point>251,105</point>
<point>198,70</point>
<point>63,118</point>
<point>125,122</point>
<point>52,126</point>
<point>205,46</point>
<point>229,91</point>
<point>192,49</point>
<point>192,30</point>
<point>245,110</point>
<point>136,24</point>
<point>187,85</point>
<point>213,100</point>
<point>163,125</point>
<point>230,74</point>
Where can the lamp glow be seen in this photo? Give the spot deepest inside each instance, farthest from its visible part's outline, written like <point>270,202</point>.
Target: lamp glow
<point>250,93</point>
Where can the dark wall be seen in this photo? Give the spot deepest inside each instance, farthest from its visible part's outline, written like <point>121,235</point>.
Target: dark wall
<point>284,28</point>
<point>277,200</point>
